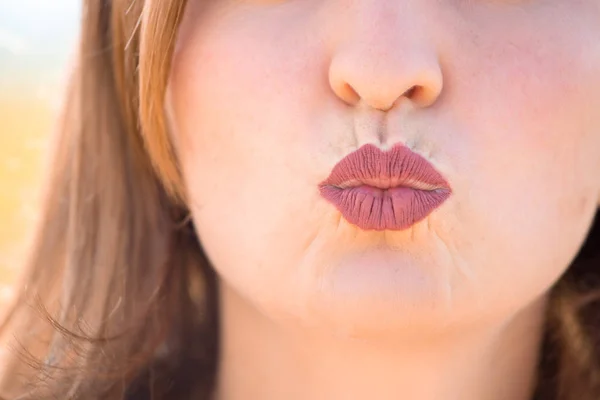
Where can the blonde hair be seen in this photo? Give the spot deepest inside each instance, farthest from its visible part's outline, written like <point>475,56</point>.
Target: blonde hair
<point>119,301</point>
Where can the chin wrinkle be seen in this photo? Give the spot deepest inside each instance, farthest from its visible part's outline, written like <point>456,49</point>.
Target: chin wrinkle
<point>457,267</point>
<point>310,240</point>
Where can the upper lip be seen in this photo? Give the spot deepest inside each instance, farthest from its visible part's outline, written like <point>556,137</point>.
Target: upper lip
<point>398,167</point>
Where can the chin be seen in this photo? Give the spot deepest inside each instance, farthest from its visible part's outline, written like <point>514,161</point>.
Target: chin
<point>382,293</point>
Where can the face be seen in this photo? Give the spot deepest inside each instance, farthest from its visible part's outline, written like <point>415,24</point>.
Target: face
<point>501,97</point>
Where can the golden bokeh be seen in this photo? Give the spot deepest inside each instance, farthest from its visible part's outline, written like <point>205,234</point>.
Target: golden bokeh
<point>36,38</point>
<point>25,121</point>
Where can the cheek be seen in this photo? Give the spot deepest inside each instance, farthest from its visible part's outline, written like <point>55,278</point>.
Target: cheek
<point>236,114</point>
<point>532,102</point>
<point>542,124</point>
<point>238,86</point>
<point>529,152</point>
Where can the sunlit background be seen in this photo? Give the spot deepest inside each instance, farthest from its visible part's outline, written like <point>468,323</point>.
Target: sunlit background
<point>37,38</point>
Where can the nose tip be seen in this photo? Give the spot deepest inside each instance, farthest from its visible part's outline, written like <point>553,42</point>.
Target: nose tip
<point>381,80</point>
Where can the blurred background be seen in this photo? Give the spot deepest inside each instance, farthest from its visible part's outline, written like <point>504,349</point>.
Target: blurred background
<point>37,39</point>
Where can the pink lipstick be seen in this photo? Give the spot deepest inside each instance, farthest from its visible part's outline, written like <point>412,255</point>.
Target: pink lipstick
<point>377,190</point>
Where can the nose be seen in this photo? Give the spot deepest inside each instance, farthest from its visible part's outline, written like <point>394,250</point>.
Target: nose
<point>385,56</point>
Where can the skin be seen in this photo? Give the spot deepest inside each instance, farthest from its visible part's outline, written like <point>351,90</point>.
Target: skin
<point>265,97</point>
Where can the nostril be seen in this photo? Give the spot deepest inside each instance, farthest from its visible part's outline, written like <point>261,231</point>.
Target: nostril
<point>410,93</point>
<point>420,96</point>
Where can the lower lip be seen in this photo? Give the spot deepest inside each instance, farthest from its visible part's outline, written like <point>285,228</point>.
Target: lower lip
<point>396,208</point>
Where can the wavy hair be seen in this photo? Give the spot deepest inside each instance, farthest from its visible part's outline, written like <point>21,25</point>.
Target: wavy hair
<point>118,300</point>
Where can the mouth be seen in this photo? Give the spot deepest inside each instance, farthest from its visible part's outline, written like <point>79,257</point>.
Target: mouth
<point>392,190</point>
<point>384,183</point>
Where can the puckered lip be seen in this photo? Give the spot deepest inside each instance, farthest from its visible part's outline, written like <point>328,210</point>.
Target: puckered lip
<point>398,167</point>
